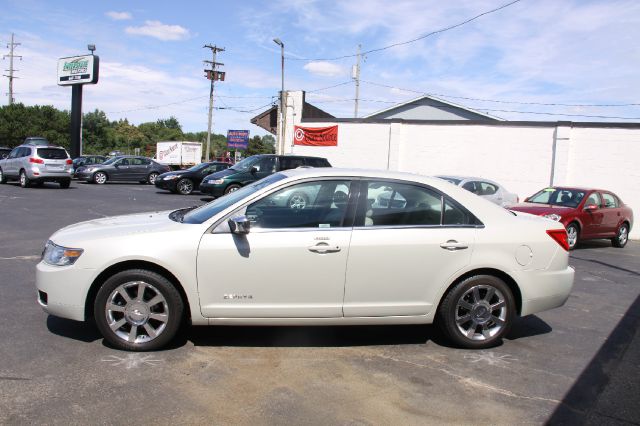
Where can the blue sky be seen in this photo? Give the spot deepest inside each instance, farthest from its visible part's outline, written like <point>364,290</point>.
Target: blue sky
<point>534,52</point>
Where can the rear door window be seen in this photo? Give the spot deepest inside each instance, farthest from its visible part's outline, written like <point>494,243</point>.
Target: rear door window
<point>52,153</point>
<point>287,163</point>
<point>610,201</point>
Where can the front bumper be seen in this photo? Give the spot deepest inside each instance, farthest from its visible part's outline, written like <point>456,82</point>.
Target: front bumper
<point>63,290</point>
<point>169,185</point>
<point>213,190</point>
<point>84,175</point>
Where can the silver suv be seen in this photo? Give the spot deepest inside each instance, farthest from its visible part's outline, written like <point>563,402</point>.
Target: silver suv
<point>35,164</point>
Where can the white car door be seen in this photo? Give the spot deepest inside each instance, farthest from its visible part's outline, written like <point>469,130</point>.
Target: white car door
<point>401,253</point>
<point>292,262</point>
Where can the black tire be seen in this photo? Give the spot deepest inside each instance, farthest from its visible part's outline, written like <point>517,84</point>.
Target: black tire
<point>298,201</point>
<point>3,178</point>
<point>231,188</point>
<point>138,313</point>
<point>151,179</point>
<point>184,186</point>
<point>622,236</point>
<point>100,178</point>
<point>573,229</point>
<point>25,182</point>
<point>64,184</point>
<point>463,312</point>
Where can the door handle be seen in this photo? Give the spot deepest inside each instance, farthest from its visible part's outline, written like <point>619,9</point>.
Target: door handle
<point>453,245</point>
<point>323,248</point>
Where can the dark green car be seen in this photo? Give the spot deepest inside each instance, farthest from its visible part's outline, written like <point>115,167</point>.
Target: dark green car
<point>254,168</point>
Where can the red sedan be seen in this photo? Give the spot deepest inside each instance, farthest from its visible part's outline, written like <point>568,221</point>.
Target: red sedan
<point>586,213</point>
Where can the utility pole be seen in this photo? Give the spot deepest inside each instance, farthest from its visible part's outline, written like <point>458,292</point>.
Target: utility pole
<point>355,74</point>
<point>212,75</point>
<point>11,46</point>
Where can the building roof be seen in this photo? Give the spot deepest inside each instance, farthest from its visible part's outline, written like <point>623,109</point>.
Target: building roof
<point>268,119</point>
<point>436,103</point>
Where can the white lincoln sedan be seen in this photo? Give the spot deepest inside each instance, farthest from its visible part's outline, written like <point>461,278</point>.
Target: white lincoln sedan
<point>367,247</point>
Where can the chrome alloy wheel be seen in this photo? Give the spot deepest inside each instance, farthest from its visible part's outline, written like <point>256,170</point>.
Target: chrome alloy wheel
<point>185,186</point>
<point>152,178</point>
<point>572,236</point>
<point>481,312</point>
<point>100,178</point>
<point>137,312</point>
<point>623,235</point>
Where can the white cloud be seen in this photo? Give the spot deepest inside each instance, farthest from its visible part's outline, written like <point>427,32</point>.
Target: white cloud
<point>326,69</point>
<point>160,31</point>
<point>119,16</point>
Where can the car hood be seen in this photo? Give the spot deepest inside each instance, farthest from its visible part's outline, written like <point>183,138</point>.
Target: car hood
<point>541,209</point>
<point>175,173</point>
<point>222,173</point>
<point>113,227</point>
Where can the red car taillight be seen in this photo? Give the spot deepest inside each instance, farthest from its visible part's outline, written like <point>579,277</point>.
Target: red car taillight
<point>69,161</point>
<point>36,160</point>
<point>560,236</point>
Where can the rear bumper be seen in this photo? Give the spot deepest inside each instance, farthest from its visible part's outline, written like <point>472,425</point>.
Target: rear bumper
<point>544,290</point>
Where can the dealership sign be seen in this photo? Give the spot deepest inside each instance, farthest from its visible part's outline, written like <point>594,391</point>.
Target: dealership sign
<point>78,70</point>
<point>238,139</point>
<point>316,136</point>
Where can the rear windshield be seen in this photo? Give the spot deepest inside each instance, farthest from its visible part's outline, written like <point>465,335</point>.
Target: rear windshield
<point>52,153</point>
<point>317,162</point>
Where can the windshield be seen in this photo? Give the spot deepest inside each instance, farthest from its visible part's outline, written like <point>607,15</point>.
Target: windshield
<point>246,164</point>
<point>558,197</point>
<point>208,210</point>
<point>198,167</point>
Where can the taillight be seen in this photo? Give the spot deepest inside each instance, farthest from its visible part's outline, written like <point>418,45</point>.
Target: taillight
<point>69,161</point>
<point>36,160</point>
<point>560,236</point>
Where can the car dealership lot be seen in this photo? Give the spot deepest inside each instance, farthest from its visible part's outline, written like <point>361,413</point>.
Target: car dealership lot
<point>565,364</point>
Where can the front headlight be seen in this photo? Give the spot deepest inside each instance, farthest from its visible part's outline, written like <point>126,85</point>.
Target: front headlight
<point>215,181</point>
<point>90,169</point>
<point>56,255</point>
<point>172,177</point>
<point>553,216</point>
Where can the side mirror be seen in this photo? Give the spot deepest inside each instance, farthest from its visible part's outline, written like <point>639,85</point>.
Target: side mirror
<point>591,207</point>
<point>239,225</point>
<point>253,170</point>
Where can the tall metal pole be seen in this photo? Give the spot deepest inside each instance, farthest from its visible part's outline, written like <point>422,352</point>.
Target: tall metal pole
<point>281,131</point>
<point>76,120</point>
<point>356,76</point>
<point>11,46</point>
<point>212,75</point>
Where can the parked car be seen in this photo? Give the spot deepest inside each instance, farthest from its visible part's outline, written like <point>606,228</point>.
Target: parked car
<point>86,160</point>
<point>186,181</point>
<point>4,152</point>
<point>34,164</point>
<point>245,259</point>
<point>254,168</point>
<point>586,213</point>
<point>485,188</point>
<point>123,168</point>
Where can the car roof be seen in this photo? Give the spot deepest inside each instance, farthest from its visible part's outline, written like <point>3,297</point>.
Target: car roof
<point>575,188</point>
<point>42,146</point>
<point>463,177</point>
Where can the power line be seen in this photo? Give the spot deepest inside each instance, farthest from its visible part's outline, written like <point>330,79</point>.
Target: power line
<point>442,30</point>
<point>499,101</point>
<point>328,87</point>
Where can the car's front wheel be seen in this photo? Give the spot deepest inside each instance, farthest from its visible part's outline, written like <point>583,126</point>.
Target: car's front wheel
<point>622,236</point>
<point>100,178</point>
<point>477,312</point>
<point>184,186</point>
<point>138,310</point>
<point>572,235</point>
<point>231,188</point>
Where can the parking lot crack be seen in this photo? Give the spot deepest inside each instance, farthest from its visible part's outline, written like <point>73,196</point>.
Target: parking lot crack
<point>33,257</point>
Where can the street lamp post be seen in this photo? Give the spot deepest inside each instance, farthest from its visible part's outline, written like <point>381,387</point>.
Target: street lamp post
<point>281,134</point>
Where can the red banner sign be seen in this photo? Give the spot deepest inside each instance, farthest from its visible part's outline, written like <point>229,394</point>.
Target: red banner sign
<point>316,136</point>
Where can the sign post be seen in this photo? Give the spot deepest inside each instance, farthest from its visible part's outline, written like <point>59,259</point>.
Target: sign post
<point>76,71</point>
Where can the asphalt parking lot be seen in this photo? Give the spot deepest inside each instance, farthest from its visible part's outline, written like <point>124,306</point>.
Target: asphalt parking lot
<point>574,365</point>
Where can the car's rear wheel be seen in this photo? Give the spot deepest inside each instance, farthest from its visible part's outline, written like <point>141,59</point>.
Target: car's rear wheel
<point>152,178</point>
<point>64,184</point>
<point>573,233</point>
<point>184,186</point>
<point>3,178</point>
<point>231,188</point>
<point>25,182</point>
<point>100,178</point>
<point>138,310</point>
<point>477,312</point>
<point>622,236</point>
